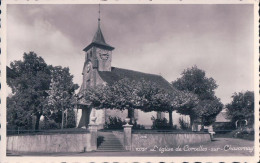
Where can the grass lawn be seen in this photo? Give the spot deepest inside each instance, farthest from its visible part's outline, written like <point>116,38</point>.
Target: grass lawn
<point>232,133</point>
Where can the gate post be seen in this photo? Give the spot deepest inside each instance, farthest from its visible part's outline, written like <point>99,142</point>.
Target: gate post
<point>93,134</point>
<point>128,136</point>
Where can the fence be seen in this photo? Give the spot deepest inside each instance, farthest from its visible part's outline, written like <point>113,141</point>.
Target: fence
<point>36,132</point>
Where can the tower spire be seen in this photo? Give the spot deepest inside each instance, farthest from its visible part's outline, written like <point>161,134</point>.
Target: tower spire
<point>98,39</point>
<point>98,15</point>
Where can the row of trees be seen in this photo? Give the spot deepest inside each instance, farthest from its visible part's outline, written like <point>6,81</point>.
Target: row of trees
<point>38,90</point>
<point>44,90</point>
<point>144,95</point>
<point>192,94</point>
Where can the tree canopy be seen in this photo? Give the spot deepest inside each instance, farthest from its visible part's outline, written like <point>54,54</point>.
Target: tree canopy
<point>36,87</point>
<point>144,95</point>
<point>61,92</point>
<point>207,110</point>
<point>241,107</point>
<point>194,80</point>
<point>29,87</point>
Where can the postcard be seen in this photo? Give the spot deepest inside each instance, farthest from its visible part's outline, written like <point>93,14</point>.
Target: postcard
<point>129,81</point>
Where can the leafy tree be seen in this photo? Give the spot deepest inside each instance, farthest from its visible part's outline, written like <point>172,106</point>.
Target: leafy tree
<point>189,101</point>
<point>37,89</point>
<point>48,124</point>
<point>29,87</point>
<point>61,93</point>
<point>143,95</point>
<point>154,98</point>
<point>207,110</point>
<point>16,115</point>
<point>98,97</point>
<point>70,119</point>
<point>194,81</point>
<point>121,95</point>
<point>241,107</point>
<point>127,94</point>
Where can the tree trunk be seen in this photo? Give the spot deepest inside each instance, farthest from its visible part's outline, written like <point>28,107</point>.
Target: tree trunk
<point>66,124</point>
<point>191,121</point>
<point>129,114</point>
<point>202,124</point>
<point>38,116</point>
<point>170,119</point>
<point>62,118</point>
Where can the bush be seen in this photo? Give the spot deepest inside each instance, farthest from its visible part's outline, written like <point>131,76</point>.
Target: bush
<point>224,126</point>
<point>183,124</point>
<point>161,124</point>
<point>245,133</point>
<point>71,119</point>
<point>11,129</point>
<point>114,123</point>
<point>117,123</point>
<point>48,124</point>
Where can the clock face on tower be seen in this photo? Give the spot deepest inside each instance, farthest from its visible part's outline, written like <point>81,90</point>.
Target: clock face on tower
<point>103,54</point>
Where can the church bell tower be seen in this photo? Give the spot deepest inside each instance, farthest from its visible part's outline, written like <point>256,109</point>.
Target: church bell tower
<point>98,54</point>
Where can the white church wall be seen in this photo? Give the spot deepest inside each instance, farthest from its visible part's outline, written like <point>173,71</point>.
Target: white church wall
<point>116,113</point>
<point>78,113</point>
<point>145,118</point>
<point>175,118</point>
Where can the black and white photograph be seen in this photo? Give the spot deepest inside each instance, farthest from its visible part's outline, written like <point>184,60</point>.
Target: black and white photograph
<point>93,80</point>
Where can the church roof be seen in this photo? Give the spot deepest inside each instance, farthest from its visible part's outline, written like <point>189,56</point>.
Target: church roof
<point>99,41</point>
<point>116,74</point>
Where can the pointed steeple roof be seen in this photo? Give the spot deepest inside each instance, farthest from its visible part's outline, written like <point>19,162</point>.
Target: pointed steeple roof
<point>99,39</point>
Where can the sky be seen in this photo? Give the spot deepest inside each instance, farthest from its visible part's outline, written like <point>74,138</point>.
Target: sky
<point>152,38</point>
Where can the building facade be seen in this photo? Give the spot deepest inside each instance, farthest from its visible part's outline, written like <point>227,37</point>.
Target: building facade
<point>97,70</point>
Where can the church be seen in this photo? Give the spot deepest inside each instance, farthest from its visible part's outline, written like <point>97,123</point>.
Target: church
<point>97,70</point>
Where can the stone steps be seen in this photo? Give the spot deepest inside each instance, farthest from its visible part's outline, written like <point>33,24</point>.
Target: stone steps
<point>110,150</point>
<point>110,143</point>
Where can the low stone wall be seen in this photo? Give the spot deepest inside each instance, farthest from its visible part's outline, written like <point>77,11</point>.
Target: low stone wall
<point>50,143</point>
<point>148,141</point>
